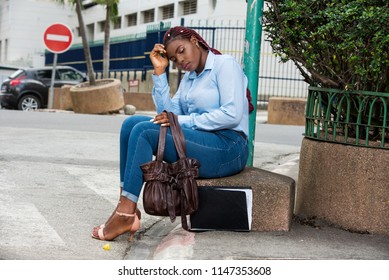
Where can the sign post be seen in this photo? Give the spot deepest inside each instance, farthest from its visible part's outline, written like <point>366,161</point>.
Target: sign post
<point>251,58</point>
<point>57,38</point>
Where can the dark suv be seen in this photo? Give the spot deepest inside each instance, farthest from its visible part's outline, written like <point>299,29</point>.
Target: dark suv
<point>28,89</point>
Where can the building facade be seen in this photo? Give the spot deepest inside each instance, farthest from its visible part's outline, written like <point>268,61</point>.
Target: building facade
<point>136,15</point>
<point>22,23</point>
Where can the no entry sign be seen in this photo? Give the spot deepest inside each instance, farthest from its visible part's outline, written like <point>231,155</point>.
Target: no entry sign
<point>58,38</point>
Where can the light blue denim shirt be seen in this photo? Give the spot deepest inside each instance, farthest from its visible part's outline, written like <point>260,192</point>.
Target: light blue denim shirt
<point>213,100</point>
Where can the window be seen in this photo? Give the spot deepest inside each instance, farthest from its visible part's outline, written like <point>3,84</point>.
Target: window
<point>43,74</point>
<point>88,4</point>
<point>17,73</point>
<point>90,32</point>
<point>69,75</point>
<point>148,16</point>
<point>101,25</point>
<point>78,32</point>
<point>188,7</point>
<point>117,23</point>
<point>214,4</point>
<point>167,11</point>
<point>132,19</point>
<point>6,50</point>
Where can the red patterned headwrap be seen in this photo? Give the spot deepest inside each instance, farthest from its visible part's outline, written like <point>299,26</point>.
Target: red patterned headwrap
<point>180,32</point>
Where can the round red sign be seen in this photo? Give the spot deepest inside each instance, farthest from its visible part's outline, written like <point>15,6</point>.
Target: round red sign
<point>58,38</point>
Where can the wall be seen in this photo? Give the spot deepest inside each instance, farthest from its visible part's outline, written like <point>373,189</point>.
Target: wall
<point>22,24</point>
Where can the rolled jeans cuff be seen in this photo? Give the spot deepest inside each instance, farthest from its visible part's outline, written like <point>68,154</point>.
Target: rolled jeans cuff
<point>130,196</point>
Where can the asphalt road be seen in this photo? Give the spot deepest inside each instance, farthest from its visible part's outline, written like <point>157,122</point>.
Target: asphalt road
<point>59,178</point>
<point>275,134</point>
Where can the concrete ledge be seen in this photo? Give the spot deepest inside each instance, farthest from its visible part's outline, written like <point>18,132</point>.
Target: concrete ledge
<point>345,185</point>
<point>62,99</point>
<point>273,197</point>
<point>141,101</point>
<point>287,111</point>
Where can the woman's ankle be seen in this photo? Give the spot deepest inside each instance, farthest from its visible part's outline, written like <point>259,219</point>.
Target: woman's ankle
<point>126,205</point>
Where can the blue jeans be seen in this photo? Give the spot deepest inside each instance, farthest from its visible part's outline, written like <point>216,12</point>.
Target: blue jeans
<point>220,153</point>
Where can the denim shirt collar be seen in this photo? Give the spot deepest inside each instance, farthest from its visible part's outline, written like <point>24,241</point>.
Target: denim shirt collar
<point>208,66</point>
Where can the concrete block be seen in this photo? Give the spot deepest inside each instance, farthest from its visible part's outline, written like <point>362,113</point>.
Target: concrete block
<point>344,185</point>
<point>287,111</point>
<point>273,197</point>
<point>62,98</point>
<point>142,101</point>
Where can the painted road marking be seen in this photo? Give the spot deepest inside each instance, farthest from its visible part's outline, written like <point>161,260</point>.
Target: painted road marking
<point>60,38</point>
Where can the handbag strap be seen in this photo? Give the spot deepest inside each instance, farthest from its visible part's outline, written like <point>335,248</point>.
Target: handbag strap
<point>178,138</point>
<point>179,142</point>
<point>161,143</point>
<point>178,135</point>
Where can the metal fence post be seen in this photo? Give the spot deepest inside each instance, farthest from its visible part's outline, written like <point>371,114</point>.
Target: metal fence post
<point>252,49</point>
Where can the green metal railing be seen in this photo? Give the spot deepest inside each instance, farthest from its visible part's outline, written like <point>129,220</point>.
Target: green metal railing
<point>353,118</point>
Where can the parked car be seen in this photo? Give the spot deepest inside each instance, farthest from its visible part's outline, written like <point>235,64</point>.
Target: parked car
<point>28,89</point>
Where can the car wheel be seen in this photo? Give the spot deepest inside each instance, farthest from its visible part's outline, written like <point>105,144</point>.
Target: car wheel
<point>29,103</point>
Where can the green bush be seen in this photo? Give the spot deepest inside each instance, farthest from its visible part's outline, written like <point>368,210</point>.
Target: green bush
<point>341,44</point>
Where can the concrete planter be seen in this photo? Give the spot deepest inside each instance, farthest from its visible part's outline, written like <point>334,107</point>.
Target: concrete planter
<point>344,185</point>
<point>62,98</point>
<point>103,98</point>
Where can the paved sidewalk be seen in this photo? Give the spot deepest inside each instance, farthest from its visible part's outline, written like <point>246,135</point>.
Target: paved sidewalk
<point>59,178</point>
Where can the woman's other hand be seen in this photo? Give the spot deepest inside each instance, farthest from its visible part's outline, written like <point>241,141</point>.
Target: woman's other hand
<point>158,59</point>
<point>161,119</point>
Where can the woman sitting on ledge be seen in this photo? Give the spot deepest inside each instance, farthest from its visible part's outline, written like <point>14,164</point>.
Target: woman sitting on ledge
<point>212,110</point>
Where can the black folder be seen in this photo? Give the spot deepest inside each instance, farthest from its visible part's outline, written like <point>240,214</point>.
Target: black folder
<point>223,208</point>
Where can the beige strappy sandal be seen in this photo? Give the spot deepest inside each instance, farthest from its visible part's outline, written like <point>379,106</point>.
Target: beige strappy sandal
<point>134,227</point>
<point>137,212</point>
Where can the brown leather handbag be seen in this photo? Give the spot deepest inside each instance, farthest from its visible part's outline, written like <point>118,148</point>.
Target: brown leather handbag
<point>170,188</point>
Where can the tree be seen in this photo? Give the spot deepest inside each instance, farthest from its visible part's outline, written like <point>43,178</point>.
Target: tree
<point>111,15</point>
<point>341,48</point>
<point>88,58</point>
<point>342,44</point>
<point>85,44</point>
<point>86,96</point>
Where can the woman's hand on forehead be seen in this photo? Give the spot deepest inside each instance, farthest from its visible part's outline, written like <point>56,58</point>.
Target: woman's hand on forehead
<point>158,58</point>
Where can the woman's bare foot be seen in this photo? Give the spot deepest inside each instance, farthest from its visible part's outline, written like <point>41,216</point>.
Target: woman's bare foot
<point>123,220</point>
<point>138,213</point>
